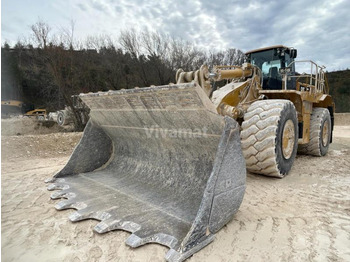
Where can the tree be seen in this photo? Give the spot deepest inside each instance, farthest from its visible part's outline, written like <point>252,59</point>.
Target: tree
<point>41,32</point>
<point>51,66</point>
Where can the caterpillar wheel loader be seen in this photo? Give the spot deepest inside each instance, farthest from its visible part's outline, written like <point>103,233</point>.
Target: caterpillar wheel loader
<point>168,163</point>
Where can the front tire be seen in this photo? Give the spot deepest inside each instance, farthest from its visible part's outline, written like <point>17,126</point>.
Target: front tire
<point>269,137</point>
<point>320,133</point>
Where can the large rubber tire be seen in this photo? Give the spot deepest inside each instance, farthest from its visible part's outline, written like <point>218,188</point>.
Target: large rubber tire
<point>320,133</point>
<point>265,125</point>
<point>61,118</point>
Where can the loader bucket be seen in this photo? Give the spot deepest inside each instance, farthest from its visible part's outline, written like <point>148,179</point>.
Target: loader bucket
<point>158,162</point>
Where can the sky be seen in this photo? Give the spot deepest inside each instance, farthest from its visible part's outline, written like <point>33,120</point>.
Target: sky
<point>319,29</point>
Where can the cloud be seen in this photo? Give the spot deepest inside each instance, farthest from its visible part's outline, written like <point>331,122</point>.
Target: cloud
<point>318,29</point>
<point>82,7</point>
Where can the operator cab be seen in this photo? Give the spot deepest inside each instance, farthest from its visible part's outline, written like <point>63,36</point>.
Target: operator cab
<point>271,60</point>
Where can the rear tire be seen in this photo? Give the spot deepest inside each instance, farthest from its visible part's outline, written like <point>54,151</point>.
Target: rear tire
<point>320,133</point>
<point>269,137</point>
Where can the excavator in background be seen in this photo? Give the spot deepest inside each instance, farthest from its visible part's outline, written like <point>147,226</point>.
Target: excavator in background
<point>168,163</point>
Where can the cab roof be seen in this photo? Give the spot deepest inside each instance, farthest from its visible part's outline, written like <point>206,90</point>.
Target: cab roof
<point>267,48</point>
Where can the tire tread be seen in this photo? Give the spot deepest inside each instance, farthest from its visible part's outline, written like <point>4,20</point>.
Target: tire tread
<point>258,136</point>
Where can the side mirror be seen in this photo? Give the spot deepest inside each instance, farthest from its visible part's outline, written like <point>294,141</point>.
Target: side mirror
<point>293,53</point>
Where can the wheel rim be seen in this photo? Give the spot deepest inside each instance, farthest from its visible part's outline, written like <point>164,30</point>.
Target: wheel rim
<point>288,138</point>
<point>60,119</point>
<point>325,135</point>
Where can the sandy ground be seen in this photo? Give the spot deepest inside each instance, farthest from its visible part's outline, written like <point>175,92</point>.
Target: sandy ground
<point>303,217</point>
<point>24,125</point>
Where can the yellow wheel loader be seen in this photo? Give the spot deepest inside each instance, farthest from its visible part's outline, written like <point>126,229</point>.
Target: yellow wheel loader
<point>168,163</point>
<point>40,114</point>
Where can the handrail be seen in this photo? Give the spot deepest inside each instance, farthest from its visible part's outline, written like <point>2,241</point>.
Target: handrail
<point>316,77</point>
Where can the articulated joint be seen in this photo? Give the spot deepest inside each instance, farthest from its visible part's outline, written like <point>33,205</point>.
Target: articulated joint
<point>231,111</point>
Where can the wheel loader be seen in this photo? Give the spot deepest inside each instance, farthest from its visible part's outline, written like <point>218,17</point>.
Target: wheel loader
<point>168,163</point>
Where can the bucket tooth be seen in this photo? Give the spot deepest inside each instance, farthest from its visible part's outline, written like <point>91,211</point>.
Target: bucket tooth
<point>127,226</point>
<point>134,240</point>
<point>114,224</point>
<point>49,180</point>
<point>78,216</point>
<point>106,226</point>
<point>101,215</point>
<point>62,194</point>
<point>70,203</point>
<point>117,222</point>
<point>57,187</point>
<point>64,204</point>
<point>57,195</point>
<point>86,213</point>
<point>157,162</point>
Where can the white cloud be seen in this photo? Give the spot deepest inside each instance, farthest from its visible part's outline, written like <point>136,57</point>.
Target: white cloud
<point>318,29</point>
